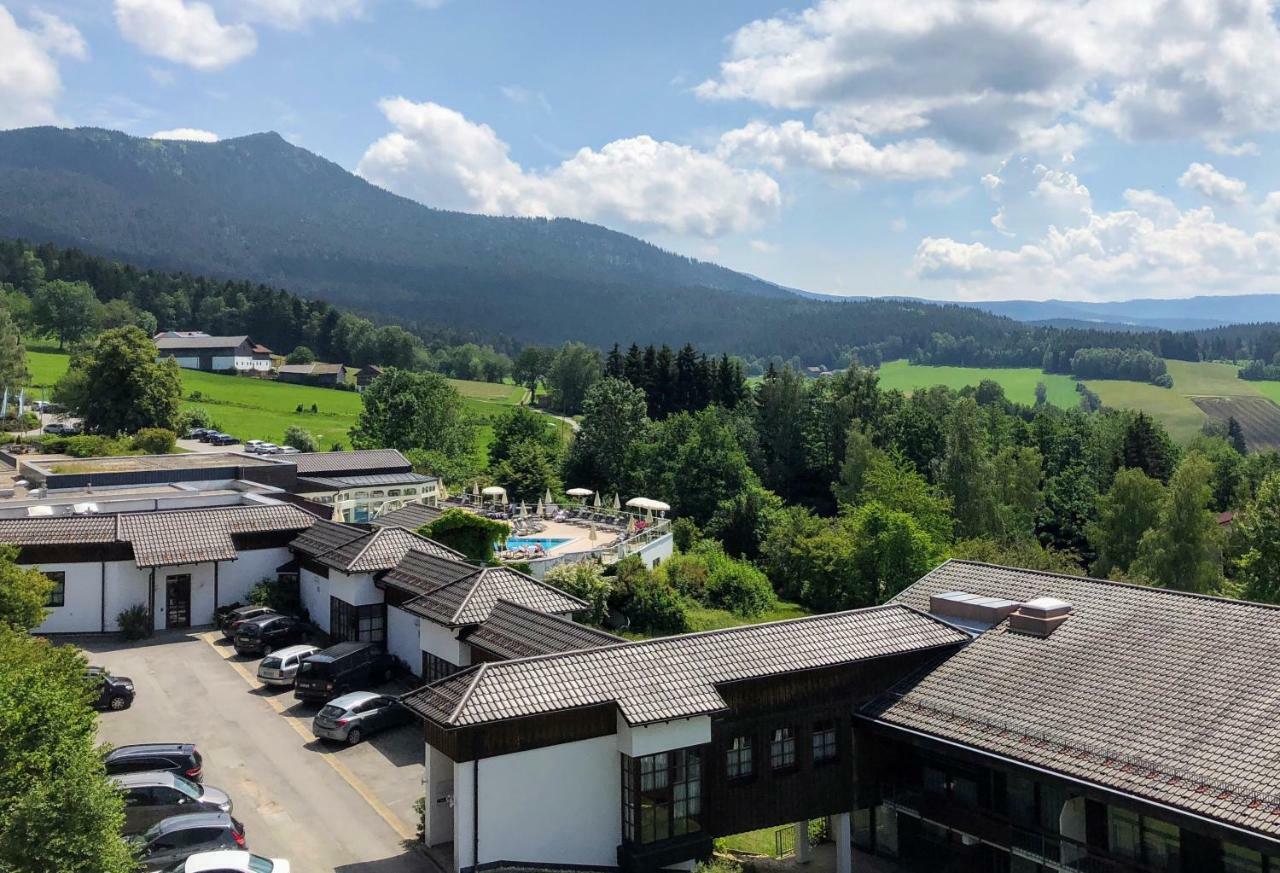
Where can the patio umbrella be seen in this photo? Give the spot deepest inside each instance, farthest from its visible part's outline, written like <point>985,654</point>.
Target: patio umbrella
<point>596,502</point>
<point>591,532</point>
<point>540,509</point>
<point>579,492</point>
<point>616,503</point>
<point>631,525</point>
<point>524,510</point>
<point>475,489</point>
<point>547,497</point>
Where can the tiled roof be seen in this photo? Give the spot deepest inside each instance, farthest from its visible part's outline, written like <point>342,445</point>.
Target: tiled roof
<point>411,516</point>
<point>470,600</point>
<point>354,549</point>
<point>194,535</point>
<point>58,530</point>
<point>177,343</point>
<point>341,483</point>
<point>675,677</point>
<point>359,462</point>
<point>516,631</point>
<point>313,369</point>
<point>325,536</point>
<point>421,572</point>
<point>1168,696</point>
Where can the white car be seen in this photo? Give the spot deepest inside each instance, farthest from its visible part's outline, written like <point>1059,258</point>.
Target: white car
<point>230,862</point>
<point>288,450</point>
<point>253,446</point>
<point>268,449</point>
<point>281,666</point>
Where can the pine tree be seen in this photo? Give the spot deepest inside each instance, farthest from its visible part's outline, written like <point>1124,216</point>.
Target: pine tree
<point>633,367</point>
<point>1235,434</point>
<point>1147,448</point>
<point>613,365</point>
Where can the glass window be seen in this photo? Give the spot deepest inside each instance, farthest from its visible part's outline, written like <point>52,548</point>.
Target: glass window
<point>662,795</point>
<point>1238,859</point>
<point>393,492</point>
<point>782,748</point>
<point>434,668</point>
<point>1125,830</point>
<point>58,593</point>
<point>409,492</point>
<point>824,742</point>
<point>738,763</point>
<point>1160,843</point>
<point>364,623</point>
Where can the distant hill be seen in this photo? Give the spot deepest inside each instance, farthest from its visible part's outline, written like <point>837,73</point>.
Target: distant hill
<point>1189,313</point>
<point>258,208</point>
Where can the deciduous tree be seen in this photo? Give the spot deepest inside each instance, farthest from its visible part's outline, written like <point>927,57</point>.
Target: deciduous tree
<point>1125,513</point>
<point>119,387</point>
<point>1183,549</point>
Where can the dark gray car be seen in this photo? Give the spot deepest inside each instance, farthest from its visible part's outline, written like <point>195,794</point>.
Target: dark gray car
<point>151,797</point>
<point>178,837</point>
<point>351,717</point>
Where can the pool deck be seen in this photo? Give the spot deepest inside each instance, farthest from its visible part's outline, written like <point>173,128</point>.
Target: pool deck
<point>578,535</point>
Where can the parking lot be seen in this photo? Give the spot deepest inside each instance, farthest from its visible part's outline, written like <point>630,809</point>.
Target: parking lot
<point>346,809</point>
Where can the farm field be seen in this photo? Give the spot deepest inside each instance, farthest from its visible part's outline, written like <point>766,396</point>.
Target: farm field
<point>260,409</point>
<point>1019,383</point>
<point>1259,418</point>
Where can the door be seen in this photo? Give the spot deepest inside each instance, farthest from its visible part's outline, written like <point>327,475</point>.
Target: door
<point>178,600</point>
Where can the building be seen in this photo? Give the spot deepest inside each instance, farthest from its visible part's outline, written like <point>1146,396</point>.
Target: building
<point>217,354</point>
<point>361,486</point>
<point>366,374</point>
<point>318,374</point>
<point>988,719</point>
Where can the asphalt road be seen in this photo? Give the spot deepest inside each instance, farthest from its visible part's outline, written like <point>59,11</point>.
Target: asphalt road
<point>323,808</point>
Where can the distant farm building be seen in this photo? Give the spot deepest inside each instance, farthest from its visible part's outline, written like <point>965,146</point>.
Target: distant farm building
<point>325,375</point>
<point>194,350</point>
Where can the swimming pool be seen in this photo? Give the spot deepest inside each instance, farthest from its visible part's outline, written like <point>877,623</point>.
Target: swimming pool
<point>547,543</point>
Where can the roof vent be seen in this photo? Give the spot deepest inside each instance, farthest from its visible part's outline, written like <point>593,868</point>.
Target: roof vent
<point>971,611</point>
<point>1039,617</point>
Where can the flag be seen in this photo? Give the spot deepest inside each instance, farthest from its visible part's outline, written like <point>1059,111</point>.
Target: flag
<point>4,405</point>
<point>22,402</point>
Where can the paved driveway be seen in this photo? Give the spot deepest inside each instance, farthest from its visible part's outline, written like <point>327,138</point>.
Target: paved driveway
<point>347,810</point>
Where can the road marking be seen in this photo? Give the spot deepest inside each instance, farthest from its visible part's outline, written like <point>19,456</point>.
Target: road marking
<point>405,832</point>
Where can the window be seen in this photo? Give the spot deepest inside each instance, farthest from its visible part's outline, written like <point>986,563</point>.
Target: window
<point>824,742</point>
<point>58,593</point>
<point>393,492</point>
<point>738,764</point>
<point>1160,843</point>
<point>364,623</point>
<point>662,795</point>
<point>1238,859</point>
<point>1140,838</point>
<point>782,748</point>
<point>434,668</point>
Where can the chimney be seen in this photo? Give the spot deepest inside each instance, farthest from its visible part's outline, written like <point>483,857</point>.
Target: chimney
<point>1039,617</point>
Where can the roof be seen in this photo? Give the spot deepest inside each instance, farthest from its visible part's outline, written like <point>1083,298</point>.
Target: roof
<point>58,530</point>
<point>675,677</point>
<point>1154,693</point>
<point>360,462</point>
<point>516,631</point>
<point>313,369</point>
<point>361,549</point>
<point>411,516</point>
<point>175,343</point>
<point>378,480</point>
<point>470,600</point>
<point>422,572</point>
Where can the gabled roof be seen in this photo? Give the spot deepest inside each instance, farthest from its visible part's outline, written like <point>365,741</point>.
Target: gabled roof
<point>359,462</point>
<point>354,549</point>
<point>470,600</point>
<point>195,535</point>
<point>422,572</point>
<point>58,530</point>
<point>516,631</point>
<point>411,516</point>
<point>172,343</point>
<point>675,677</point>
<point>1168,696</point>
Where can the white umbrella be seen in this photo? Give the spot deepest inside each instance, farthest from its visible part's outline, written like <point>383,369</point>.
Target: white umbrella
<point>540,509</point>
<point>475,489</point>
<point>596,504</point>
<point>524,510</point>
<point>579,492</point>
<point>648,504</point>
<point>616,503</point>
<point>591,532</point>
<point>631,525</point>
<point>547,498</point>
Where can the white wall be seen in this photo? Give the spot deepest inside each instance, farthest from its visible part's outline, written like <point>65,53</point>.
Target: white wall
<point>403,638</point>
<point>658,550</point>
<point>358,589</point>
<point>201,593</point>
<point>314,591</point>
<point>236,578</point>
<point>438,778</point>
<point>662,737</point>
<point>83,610</point>
<point>441,642</point>
<point>556,805</point>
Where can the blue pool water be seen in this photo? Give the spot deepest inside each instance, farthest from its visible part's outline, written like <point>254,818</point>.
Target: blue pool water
<point>547,543</point>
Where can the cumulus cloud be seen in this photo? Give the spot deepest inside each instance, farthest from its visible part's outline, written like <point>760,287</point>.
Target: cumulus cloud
<point>185,32</point>
<point>189,134</point>
<point>1025,75</point>
<point>791,144</point>
<point>439,157</point>
<point>30,83</point>
<point>1032,196</point>
<point>297,13</point>
<point>1212,184</point>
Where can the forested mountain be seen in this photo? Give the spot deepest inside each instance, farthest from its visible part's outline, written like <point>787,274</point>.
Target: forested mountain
<point>257,208</point>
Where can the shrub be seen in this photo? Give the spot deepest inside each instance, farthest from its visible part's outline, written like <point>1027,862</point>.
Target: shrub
<point>196,396</point>
<point>471,534</point>
<point>135,622</point>
<point>740,588</point>
<point>88,446</point>
<point>420,817</point>
<point>154,441</point>
<point>684,533</point>
<point>586,580</point>
<point>189,419</point>
<point>280,596</point>
<point>298,408</point>
<point>300,438</point>
<point>655,607</point>
<point>314,409</point>
<point>687,574</point>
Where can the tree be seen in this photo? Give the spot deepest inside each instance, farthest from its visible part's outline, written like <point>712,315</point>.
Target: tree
<point>531,367</point>
<point>966,473</point>
<point>300,355</point>
<point>522,425</point>
<point>473,535</point>
<point>858,455</point>
<point>405,410</point>
<point>23,593</point>
<point>1257,530</point>
<point>118,386</point>
<point>67,310</point>
<point>1183,549</point>
<point>892,481</point>
<point>300,438</point>
<point>741,522</point>
<point>1125,513</point>
<point>1042,394</point>
<point>575,369</point>
<point>1235,435</point>
<point>613,420</point>
<point>584,579</point>
<point>121,313</point>
<point>1016,473</point>
<point>527,472</point>
<point>154,441</point>
<point>13,354</point>
<point>890,551</point>
<point>1147,447</point>
<point>1025,553</point>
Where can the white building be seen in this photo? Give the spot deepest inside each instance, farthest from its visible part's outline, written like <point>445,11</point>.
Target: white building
<point>362,485</point>
<point>217,354</point>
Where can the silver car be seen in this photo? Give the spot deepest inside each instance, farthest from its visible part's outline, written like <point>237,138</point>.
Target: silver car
<point>281,666</point>
<point>154,796</point>
<point>351,717</point>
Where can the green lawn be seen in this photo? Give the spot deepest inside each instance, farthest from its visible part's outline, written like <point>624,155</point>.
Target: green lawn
<point>703,619</point>
<point>1019,383</point>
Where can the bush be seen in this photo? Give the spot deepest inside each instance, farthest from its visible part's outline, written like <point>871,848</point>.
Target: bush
<point>135,622</point>
<point>154,441</point>
<point>586,580</point>
<point>420,817</point>
<point>300,438</point>
<point>471,534</point>
<point>687,574</point>
<point>684,533</point>
<point>189,419</point>
<point>740,588</point>
<point>90,446</point>
<point>647,599</point>
<point>280,596</point>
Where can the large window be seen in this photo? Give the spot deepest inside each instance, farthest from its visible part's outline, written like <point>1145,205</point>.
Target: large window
<point>824,742</point>
<point>363,623</point>
<point>1143,839</point>
<point>782,748</point>
<point>662,795</point>
<point>738,763</point>
<point>58,593</point>
<point>434,668</point>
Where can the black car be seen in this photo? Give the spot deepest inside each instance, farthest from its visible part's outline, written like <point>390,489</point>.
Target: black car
<point>233,619</point>
<point>113,692</point>
<point>338,669</point>
<point>224,439</point>
<point>178,837</point>
<point>179,758</point>
<point>267,633</point>
<point>198,433</point>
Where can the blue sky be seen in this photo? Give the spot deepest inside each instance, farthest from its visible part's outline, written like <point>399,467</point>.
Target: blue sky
<point>947,149</point>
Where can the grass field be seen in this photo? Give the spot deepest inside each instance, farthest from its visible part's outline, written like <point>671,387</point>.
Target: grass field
<point>260,409</point>
<point>1019,383</point>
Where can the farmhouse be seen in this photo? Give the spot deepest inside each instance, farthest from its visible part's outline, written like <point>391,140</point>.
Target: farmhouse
<point>366,374</point>
<point>322,375</point>
<point>194,350</point>
<point>1001,719</point>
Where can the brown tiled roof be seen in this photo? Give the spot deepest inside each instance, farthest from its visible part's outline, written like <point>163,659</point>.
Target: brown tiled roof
<point>359,462</point>
<point>58,530</point>
<point>516,631</point>
<point>325,536</point>
<point>421,572</point>
<point>470,600</point>
<point>355,549</point>
<point>178,343</point>
<point>1167,696</point>
<point>410,516</point>
<point>194,535</point>
<point>675,677</point>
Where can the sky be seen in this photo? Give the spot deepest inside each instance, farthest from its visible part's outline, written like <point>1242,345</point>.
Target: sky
<point>999,149</point>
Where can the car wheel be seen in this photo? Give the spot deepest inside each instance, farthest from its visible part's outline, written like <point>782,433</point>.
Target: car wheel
<point>353,736</point>
<point>118,703</point>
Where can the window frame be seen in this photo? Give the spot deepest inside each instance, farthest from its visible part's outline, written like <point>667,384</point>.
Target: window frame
<point>662,795</point>
<point>739,758</point>
<point>58,592</point>
<point>783,752</point>
<point>825,738</point>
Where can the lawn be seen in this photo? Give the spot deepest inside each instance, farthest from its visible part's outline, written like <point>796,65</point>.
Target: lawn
<point>704,619</point>
<point>1019,383</point>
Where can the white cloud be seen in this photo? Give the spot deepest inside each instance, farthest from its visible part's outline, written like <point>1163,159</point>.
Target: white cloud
<point>293,14</point>
<point>1032,196</point>
<point>441,158</point>
<point>30,83</point>
<point>185,32</point>
<point>190,134</point>
<point>1212,184</point>
<point>763,246</point>
<point>526,96</point>
<point>791,143</point>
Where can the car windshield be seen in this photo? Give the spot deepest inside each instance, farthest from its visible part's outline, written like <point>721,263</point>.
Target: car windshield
<point>187,787</point>
<point>332,712</point>
<point>151,833</point>
<point>250,630</point>
<point>310,668</point>
<point>259,864</point>
<point>271,663</point>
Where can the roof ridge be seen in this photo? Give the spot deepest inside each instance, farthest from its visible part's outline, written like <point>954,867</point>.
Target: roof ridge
<point>373,536</point>
<point>466,695</point>
<point>541,584</point>
<point>558,618</point>
<point>479,574</point>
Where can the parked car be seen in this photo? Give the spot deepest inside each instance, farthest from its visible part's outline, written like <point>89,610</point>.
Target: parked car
<point>289,450</point>
<point>180,758</point>
<point>232,619</point>
<point>178,837</point>
<point>269,449</point>
<point>281,666</point>
<point>208,435</point>
<point>114,692</point>
<point>224,439</point>
<point>267,633</point>
<point>198,433</point>
<point>152,796</point>
<point>61,428</point>
<point>254,446</point>
<point>338,669</point>
<point>352,717</point>
<point>230,862</point>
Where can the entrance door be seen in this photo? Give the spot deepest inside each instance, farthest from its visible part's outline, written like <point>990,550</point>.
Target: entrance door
<point>178,600</point>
